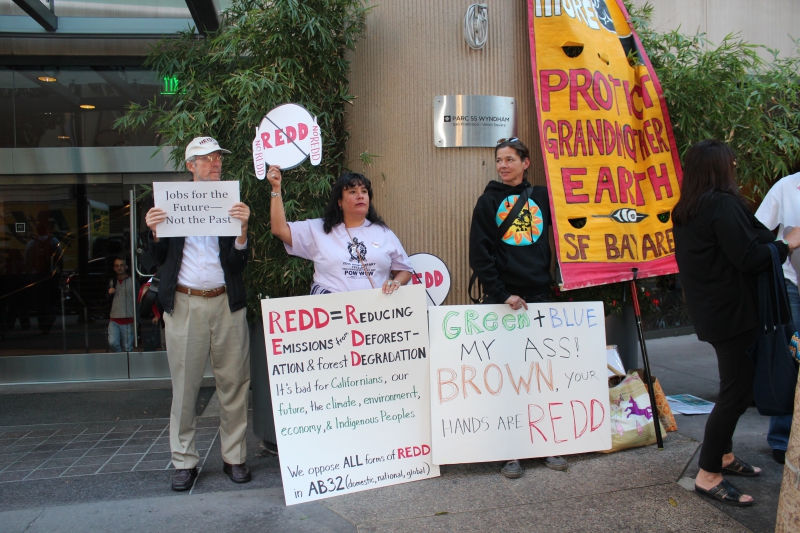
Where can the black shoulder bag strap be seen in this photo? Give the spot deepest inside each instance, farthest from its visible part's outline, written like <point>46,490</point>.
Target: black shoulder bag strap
<point>516,209</point>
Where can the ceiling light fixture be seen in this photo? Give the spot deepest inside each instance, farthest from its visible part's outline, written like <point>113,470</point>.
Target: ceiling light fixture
<point>64,137</point>
<point>87,106</point>
<point>47,79</point>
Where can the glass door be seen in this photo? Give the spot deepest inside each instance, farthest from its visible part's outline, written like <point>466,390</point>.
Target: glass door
<point>59,245</point>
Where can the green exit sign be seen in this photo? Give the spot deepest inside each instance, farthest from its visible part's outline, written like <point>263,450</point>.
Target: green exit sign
<point>170,85</point>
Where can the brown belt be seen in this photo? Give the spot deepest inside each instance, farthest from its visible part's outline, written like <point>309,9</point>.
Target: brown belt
<point>210,293</point>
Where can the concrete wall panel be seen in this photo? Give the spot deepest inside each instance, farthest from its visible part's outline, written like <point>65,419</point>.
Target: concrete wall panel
<point>414,50</point>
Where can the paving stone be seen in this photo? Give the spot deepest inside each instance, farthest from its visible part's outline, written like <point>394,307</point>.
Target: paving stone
<point>85,470</point>
<point>42,433</point>
<point>12,433</point>
<point>39,455</point>
<point>79,446</point>
<point>117,467</point>
<point>48,447</point>
<point>154,427</point>
<point>17,448</point>
<point>62,439</point>
<point>93,460</point>
<point>152,465</point>
<point>134,449</point>
<point>13,475</point>
<point>118,436</point>
<point>33,441</point>
<point>140,441</point>
<point>107,443</point>
<point>63,454</point>
<point>153,434</point>
<point>101,451</point>
<point>23,465</point>
<point>158,456</point>
<point>54,463</point>
<point>11,457</point>
<point>88,437</point>
<point>45,473</point>
<point>130,458</point>
<point>74,431</point>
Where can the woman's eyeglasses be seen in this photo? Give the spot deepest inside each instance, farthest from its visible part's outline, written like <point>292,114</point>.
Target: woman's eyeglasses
<point>509,140</point>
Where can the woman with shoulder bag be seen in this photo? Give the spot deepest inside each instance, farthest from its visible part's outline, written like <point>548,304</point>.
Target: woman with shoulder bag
<point>721,248</point>
<point>509,247</point>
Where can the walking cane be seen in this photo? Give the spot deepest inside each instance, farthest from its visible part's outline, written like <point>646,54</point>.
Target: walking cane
<point>648,378</point>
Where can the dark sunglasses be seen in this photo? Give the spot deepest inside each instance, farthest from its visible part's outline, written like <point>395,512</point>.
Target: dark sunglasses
<point>504,140</point>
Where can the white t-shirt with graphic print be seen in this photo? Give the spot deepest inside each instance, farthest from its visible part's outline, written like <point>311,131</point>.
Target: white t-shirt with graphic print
<point>781,206</point>
<point>336,264</point>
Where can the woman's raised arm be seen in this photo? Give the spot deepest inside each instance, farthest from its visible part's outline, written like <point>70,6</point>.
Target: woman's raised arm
<point>277,216</point>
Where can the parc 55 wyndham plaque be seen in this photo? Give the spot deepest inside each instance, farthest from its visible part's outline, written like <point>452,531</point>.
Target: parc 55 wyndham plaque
<point>462,120</point>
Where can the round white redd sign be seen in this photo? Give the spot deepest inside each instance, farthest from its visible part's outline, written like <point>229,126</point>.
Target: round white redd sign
<point>286,137</point>
<point>431,271</point>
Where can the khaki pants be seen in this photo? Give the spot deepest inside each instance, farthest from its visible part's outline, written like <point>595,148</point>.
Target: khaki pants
<point>196,328</point>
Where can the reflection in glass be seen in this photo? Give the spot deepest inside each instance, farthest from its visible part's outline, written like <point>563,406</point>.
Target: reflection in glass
<point>80,107</point>
<point>6,107</point>
<point>57,251</point>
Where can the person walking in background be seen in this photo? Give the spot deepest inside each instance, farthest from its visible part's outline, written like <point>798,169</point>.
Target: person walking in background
<point>721,248</point>
<point>513,267</point>
<point>203,295</point>
<point>120,323</point>
<point>781,209</point>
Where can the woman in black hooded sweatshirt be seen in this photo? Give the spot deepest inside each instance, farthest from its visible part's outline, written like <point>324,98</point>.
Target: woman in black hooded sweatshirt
<point>514,268</point>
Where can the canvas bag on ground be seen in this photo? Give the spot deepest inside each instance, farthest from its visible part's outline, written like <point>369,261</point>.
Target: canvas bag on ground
<point>775,369</point>
<point>664,410</point>
<point>631,414</point>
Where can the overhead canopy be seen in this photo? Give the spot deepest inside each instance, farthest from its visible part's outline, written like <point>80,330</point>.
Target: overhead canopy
<point>112,18</point>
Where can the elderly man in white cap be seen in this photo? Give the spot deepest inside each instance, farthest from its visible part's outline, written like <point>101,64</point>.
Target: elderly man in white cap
<point>202,291</point>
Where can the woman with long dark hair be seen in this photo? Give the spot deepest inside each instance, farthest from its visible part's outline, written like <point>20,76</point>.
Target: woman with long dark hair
<point>351,246</point>
<point>721,248</point>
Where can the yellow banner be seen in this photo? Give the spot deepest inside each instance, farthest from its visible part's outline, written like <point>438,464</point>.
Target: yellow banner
<point>610,156</point>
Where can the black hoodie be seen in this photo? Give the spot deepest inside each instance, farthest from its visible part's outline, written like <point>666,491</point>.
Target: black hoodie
<point>514,265</point>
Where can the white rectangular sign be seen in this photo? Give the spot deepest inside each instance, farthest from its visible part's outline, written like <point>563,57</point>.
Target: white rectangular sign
<point>349,378</point>
<point>518,384</point>
<point>197,208</point>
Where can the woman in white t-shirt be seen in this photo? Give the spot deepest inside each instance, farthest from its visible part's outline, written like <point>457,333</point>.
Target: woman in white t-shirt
<point>351,246</point>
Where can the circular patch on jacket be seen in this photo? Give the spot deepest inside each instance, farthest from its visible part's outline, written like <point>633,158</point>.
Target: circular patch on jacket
<point>528,226</point>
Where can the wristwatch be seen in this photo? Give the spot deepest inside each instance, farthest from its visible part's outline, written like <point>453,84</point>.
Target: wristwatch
<point>274,194</point>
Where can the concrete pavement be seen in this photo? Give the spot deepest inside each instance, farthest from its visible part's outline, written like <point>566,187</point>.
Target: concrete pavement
<point>634,490</point>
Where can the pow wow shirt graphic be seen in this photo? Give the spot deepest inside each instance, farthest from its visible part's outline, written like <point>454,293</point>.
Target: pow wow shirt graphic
<point>528,226</point>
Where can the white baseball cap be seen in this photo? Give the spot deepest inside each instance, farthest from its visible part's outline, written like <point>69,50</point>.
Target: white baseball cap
<point>203,146</point>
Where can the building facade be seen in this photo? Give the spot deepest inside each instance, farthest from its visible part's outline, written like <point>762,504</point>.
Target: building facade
<point>70,182</point>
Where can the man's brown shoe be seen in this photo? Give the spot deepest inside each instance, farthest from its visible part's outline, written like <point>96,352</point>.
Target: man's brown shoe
<point>184,478</point>
<point>237,473</point>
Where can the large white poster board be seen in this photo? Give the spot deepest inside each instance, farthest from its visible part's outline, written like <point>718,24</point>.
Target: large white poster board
<point>197,208</point>
<point>518,384</point>
<point>349,376</point>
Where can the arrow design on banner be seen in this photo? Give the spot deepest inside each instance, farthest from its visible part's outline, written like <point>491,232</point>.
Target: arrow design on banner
<point>624,216</point>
